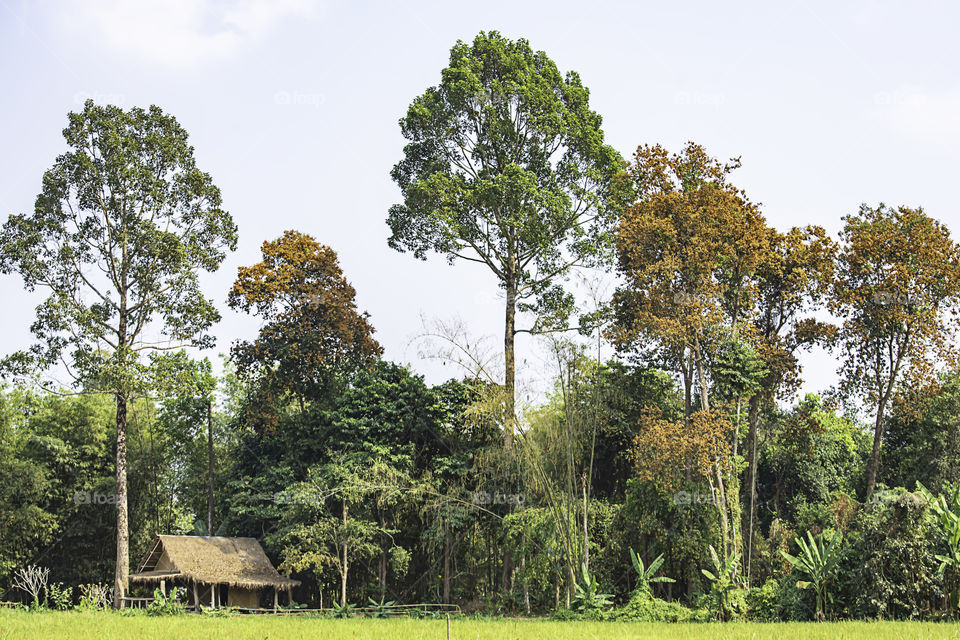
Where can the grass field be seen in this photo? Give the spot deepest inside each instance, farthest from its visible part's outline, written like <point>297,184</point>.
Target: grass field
<point>83,626</point>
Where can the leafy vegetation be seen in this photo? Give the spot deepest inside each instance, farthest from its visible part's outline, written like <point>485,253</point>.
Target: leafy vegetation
<point>368,484</point>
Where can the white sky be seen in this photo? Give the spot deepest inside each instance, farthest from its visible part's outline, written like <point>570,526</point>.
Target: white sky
<point>292,106</point>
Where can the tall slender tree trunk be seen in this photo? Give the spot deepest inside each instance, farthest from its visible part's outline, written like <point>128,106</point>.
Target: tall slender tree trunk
<point>343,574</point>
<point>586,530</point>
<point>509,384</point>
<point>753,419</point>
<point>122,573</point>
<point>875,454</point>
<point>509,365</point>
<point>446,563</point>
<point>210,528</point>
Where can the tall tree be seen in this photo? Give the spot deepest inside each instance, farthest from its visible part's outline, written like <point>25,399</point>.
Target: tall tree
<point>793,281</point>
<point>507,167</point>
<point>123,224</point>
<point>312,333</point>
<point>897,292</point>
<point>688,249</point>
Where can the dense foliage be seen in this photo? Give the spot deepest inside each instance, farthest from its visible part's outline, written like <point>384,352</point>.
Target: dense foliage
<point>680,479</point>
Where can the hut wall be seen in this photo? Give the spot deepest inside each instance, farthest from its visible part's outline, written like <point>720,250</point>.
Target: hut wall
<point>245,598</point>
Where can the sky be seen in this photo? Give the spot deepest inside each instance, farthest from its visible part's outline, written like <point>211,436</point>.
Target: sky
<point>292,107</point>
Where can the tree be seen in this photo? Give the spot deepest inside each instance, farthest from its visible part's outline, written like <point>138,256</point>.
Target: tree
<point>688,249</point>
<point>186,416</point>
<point>312,334</point>
<point>818,558</point>
<point>124,222</point>
<point>792,280</point>
<point>506,167</point>
<point>316,533</point>
<point>897,292</point>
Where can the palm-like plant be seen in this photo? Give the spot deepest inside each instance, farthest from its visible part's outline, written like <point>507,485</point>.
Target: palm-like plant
<point>817,559</point>
<point>347,610</point>
<point>723,582</point>
<point>947,509</point>
<point>588,596</point>
<point>379,609</point>
<point>645,575</point>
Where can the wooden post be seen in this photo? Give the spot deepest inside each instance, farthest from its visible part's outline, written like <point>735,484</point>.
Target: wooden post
<point>163,587</point>
<point>213,604</point>
<point>275,590</point>
<point>289,596</point>
<point>196,598</point>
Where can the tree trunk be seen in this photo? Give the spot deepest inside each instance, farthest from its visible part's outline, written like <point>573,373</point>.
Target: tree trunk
<point>343,573</point>
<point>526,586</point>
<point>446,563</point>
<point>210,528</point>
<point>586,531</point>
<point>754,419</point>
<point>383,575</point>
<point>383,562</point>
<point>509,367</point>
<point>875,454</point>
<point>509,333</point>
<point>122,573</point>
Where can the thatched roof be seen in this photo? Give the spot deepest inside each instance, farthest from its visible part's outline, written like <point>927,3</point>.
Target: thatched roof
<point>237,562</point>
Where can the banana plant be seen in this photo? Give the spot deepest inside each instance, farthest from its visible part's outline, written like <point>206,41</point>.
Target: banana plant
<point>947,509</point>
<point>645,575</point>
<point>347,610</point>
<point>379,609</point>
<point>588,596</point>
<point>723,582</point>
<point>818,558</point>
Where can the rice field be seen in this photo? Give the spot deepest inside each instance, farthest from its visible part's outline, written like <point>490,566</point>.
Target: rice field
<point>108,625</point>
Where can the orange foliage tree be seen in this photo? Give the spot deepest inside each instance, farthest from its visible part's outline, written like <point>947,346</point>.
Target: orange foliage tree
<point>897,292</point>
<point>312,336</point>
<point>688,250</point>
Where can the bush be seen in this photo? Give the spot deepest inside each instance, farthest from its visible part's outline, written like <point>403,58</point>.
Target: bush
<point>95,596</point>
<point>643,607</point>
<point>763,603</point>
<point>163,605</point>
<point>890,570</point>
<point>59,597</point>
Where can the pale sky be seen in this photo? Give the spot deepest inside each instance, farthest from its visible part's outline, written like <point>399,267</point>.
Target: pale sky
<point>292,107</point>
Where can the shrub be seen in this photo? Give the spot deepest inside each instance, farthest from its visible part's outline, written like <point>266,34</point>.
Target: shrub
<point>643,607</point>
<point>764,603</point>
<point>59,597</point>
<point>891,569</point>
<point>95,596</point>
<point>164,605</point>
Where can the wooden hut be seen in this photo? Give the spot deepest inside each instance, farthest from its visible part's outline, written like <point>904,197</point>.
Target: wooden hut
<point>215,571</point>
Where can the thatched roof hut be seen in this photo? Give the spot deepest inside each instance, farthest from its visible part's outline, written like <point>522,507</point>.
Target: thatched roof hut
<point>210,564</point>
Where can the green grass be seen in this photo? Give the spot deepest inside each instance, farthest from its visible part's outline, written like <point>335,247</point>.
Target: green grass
<point>81,626</point>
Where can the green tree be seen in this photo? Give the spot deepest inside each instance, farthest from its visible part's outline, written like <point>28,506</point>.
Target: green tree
<point>123,224</point>
<point>506,166</point>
